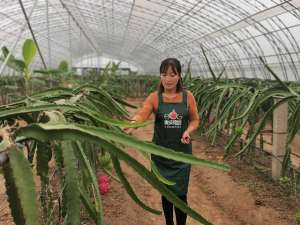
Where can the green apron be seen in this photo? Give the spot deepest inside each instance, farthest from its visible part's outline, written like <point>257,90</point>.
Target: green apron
<point>171,120</point>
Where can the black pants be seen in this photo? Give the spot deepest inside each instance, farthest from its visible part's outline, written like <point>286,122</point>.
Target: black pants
<point>168,211</point>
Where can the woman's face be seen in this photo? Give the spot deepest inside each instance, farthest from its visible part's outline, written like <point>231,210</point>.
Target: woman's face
<point>169,79</point>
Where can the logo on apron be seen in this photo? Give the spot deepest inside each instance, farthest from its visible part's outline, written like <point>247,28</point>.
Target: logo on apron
<point>173,120</point>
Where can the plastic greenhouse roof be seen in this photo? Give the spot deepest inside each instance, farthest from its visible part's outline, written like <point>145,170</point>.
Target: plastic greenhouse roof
<point>143,32</point>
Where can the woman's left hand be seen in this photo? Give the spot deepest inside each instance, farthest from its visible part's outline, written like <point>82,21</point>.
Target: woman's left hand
<point>185,139</point>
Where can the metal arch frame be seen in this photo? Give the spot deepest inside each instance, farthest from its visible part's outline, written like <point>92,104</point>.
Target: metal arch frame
<point>185,43</point>
<point>41,36</point>
<point>178,19</point>
<point>213,22</point>
<point>231,52</point>
<point>127,25</point>
<point>272,41</point>
<point>240,41</point>
<point>105,20</point>
<point>12,49</point>
<point>292,42</point>
<point>90,41</point>
<point>48,34</point>
<point>144,22</point>
<point>237,39</point>
<point>52,39</point>
<point>274,49</point>
<point>16,21</point>
<point>147,33</point>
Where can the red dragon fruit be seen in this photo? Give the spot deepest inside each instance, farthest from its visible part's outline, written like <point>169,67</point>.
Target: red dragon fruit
<point>103,179</point>
<point>103,188</point>
<point>103,184</point>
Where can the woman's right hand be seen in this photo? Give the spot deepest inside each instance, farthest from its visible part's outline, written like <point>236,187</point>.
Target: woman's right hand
<point>128,130</point>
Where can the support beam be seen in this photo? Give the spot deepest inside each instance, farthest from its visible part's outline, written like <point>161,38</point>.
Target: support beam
<point>88,38</point>
<point>48,34</point>
<point>70,41</point>
<point>80,51</point>
<point>280,127</point>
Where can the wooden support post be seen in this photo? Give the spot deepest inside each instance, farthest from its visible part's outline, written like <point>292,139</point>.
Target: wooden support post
<point>280,126</point>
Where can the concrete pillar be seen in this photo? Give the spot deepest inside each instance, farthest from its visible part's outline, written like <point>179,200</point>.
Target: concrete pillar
<point>280,126</point>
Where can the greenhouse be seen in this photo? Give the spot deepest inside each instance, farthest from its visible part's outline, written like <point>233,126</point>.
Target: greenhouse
<point>149,112</point>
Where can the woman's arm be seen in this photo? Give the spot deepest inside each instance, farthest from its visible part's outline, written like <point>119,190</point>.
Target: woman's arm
<point>144,113</point>
<point>193,119</point>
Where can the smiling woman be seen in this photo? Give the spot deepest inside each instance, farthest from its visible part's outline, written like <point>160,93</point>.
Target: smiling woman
<point>170,73</point>
<point>176,116</point>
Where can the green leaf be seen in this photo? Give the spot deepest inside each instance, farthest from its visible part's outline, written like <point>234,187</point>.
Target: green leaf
<point>133,163</point>
<point>63,66</point>
<point>43,156</point>
<point>60,167</point>
<point>93,180</point>
<point>119,100</point>
<point>29,51</point>
<point>262,123</point>
<point>58,159</point>
<point>73,132</point>
<point>159,176</point>
<point>72,184</point>
<point>19,64</point>
<point>208,64</point>
<point>286,162</point>
<point>65,107</point>
<point>12,62</point>
<point>23,179</point>
<point>151,179</point>
<point>277,78</point>
<point>31,150</point>
<point>128,187</point>
<point>109,100</point>
<point>250,104</point>
<point>294,124</point>
<point>12,195</point>
<point>48,72</point>
<point>5,51</point>
<point>88,205</point>
<point>156,172</point>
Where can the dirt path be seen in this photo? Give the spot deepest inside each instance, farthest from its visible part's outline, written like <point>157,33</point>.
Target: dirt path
<point>222,198</point>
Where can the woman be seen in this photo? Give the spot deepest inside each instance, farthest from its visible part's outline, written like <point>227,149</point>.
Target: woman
<point>176,117</point>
